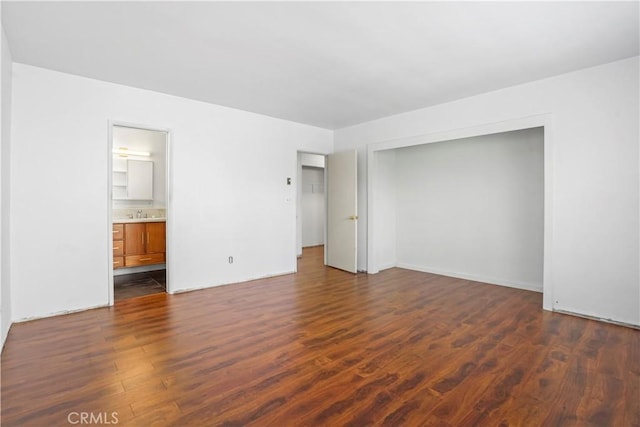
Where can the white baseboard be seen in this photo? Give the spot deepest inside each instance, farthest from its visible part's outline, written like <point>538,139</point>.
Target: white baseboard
<point>386,266</point>
<point>5,334</point>
<point>58,313</point>
<point>476,278</point>
<point>182,290</point>
<point>573,312</point>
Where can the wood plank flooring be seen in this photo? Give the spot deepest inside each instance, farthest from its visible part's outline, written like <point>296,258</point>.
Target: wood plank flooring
<point>324,347</point>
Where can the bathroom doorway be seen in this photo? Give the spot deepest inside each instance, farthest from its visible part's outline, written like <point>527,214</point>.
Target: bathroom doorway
<point>138,205</point>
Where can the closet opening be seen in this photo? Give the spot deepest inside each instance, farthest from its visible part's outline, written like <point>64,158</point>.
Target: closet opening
<point>471,203</point>
<point>311,204</point>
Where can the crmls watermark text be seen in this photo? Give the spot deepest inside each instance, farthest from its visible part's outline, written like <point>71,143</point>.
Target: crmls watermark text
<point>102,418</point>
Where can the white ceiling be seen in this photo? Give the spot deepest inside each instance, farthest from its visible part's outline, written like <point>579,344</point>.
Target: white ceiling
<point>328,64</point>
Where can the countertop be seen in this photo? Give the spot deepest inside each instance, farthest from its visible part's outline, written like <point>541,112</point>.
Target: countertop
<point>130,220</point>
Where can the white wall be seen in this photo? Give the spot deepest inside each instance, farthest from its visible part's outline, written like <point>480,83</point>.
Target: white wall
<point>225,165</point>
<point>386,220</point>
<point>473,208</point>
<point>594,152</point>
<point>5,179</point>
<point>313,206</point>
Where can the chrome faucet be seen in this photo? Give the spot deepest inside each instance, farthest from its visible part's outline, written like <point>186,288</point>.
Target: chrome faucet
<point>139,214</point>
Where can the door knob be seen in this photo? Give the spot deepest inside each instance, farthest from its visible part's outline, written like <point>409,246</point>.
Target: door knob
<point>353,217</point>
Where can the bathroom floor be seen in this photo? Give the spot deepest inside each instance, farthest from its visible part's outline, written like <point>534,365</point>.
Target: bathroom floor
<point>139,284</point>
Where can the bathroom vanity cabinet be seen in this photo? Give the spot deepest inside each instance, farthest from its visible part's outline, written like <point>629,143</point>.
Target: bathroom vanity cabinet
<point>143,243</point>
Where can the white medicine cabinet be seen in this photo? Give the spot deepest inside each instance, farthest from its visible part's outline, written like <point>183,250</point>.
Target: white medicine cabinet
<point>132,179</point>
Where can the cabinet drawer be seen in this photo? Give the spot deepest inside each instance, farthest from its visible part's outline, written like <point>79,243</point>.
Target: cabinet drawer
<point>118,231</point>
<point>118,248</point>
<point>133,260</point>
<point>118,262</point>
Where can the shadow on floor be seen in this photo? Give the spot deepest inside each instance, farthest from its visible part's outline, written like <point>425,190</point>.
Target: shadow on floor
<point>139,284</point>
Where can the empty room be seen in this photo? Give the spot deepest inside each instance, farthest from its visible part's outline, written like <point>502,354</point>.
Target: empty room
<point>320,213</point>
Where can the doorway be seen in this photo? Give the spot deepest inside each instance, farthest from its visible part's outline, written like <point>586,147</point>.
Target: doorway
<point>327,206</point>
<point>138,205</point>
<point>311,202</point>
<point>313,206</point>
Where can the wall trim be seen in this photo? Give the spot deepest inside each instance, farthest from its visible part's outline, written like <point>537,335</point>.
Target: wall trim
<point>5,335</point>
<point>598,319</point>
<point>268,276</point>
<point>387,266</point>
<point>59,313</point>
<point>474,277</point>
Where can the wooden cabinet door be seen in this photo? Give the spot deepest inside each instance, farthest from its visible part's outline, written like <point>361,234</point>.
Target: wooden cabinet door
<point>156,236</point>
<point>134,238</point>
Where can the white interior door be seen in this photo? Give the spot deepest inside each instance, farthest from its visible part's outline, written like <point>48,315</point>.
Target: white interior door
<point>342,210</point>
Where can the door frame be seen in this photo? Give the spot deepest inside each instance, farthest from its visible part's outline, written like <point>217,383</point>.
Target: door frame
<point>168,180</point>
<point>542,120</point>
<point>298,181</point>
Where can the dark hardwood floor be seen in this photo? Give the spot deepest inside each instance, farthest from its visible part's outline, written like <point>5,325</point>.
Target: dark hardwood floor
<point>324,347</point>
<point>139,284</point>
